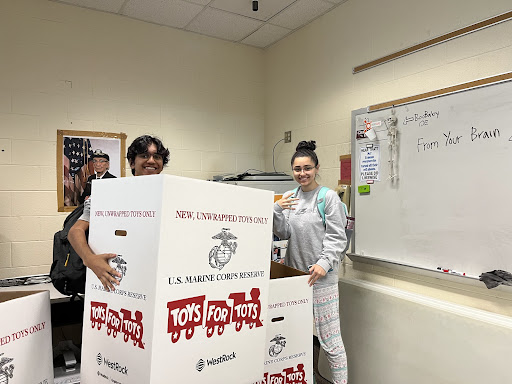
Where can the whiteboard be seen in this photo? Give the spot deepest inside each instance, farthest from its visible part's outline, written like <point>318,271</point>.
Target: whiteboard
<point>450,205</point>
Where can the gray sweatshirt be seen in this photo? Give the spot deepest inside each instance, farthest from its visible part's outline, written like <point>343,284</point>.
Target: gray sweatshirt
<point>309,242</point>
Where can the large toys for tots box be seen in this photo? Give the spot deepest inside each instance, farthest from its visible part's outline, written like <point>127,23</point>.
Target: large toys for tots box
<point>25,338</point>
<point>192,301</point>
<point>288,354</point>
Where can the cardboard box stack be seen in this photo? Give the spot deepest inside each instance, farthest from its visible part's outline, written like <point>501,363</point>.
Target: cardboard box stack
<point>192,304</point>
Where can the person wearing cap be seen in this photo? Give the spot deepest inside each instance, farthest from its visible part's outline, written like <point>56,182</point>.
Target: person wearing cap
<point>101,163</point>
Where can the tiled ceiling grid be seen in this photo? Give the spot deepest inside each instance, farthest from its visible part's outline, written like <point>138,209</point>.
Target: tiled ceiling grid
<point>232,20</point>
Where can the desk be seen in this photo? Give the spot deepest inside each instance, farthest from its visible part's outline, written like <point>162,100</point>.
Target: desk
<point>55,296</point>
<point>64,311</point>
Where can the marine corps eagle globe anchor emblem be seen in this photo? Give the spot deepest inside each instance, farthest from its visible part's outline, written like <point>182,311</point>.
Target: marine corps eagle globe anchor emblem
<point>221,255</point>
<point>120,265</point>
<point>6,372</point>
<point>280,343</point>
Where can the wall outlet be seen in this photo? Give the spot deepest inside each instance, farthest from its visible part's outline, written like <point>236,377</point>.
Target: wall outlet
<point>288,137</point>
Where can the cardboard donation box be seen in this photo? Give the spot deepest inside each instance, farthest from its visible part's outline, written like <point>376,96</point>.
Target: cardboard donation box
<point>192,301</point>
<point>25,338</point>
<point>289,341</point>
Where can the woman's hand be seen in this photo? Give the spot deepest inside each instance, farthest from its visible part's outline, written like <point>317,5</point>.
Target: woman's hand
<point>316,273</point>
<point>287,202</point>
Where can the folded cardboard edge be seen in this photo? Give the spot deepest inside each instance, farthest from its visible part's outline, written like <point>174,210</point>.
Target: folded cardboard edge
<point>11,295</point>
<point>278,271</point>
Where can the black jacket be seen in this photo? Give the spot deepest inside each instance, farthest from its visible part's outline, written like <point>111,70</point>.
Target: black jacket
<point>87,190</point>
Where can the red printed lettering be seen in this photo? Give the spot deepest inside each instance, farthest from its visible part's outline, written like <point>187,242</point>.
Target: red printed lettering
<point>219,314</point>
<point>132,328</point>
<point>187,314</point>
<point>276,378</point>
<point>287,376</point>
<point>184,314</point>
<point>98,311</point>
<point>113,323</point>
<point>246,311</point>
<point>295,377</point>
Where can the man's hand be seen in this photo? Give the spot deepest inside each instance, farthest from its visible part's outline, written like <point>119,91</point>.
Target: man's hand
<point>97,263</point>
<point>103,271</point>
<point>316,272</point>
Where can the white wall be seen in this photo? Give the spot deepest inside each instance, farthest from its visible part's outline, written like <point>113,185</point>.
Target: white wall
<point>68,68</point>
<point>394,337</point>
<point>219,105</point>
<point>310,90</point>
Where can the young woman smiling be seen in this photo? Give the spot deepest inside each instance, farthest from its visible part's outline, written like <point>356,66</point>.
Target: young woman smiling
<point>316,247</point>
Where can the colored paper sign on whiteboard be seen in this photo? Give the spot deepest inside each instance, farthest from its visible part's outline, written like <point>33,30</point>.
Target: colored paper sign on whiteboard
<point>345,169</point>
<point>368,124</point>
<point>360,134</point>
<point>363,189</point>
<point>369,163</point>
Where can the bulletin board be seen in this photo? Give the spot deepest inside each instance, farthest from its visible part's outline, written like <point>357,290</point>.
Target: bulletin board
<point>439,194</point>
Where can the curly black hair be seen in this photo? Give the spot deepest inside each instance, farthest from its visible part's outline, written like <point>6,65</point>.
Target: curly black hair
<point>141,144</point>
<point>306,149</point>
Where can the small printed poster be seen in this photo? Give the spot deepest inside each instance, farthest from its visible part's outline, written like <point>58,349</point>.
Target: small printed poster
<point>370,163</point>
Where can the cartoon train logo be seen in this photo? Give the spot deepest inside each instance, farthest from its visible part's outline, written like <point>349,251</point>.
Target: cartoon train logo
<point>221,254</point>
<point>119,264</point>
<point>6,372</point>
<point>277,348</point>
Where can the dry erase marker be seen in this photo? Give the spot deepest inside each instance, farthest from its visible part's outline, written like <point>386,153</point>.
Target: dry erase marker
<point>448,270</point>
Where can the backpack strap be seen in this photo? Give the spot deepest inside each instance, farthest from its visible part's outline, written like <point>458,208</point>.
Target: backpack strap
<point>320,202</point>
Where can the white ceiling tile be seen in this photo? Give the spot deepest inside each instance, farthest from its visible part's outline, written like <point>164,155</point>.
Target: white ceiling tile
<point>202,2</point>
<point>301,13</point>
<point>266,8</point>
<point>232,20</point>
<point>101,5</point>
<point>172,13</point>
<point>266,35</point>
<point>224,25</point>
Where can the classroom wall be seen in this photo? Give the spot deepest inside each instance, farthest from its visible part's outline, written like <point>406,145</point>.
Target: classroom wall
<point>222,107</point>
<point>68,68</point>
<point>310,90</point>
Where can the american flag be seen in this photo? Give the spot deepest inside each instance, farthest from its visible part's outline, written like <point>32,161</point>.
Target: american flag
<point>77,154</point>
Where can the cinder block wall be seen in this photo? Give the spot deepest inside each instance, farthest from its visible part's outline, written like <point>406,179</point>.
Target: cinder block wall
<point>68,68</point>
<point>310,90</point>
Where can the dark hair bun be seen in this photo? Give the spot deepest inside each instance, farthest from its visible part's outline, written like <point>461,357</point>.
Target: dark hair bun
<point>311,145</point>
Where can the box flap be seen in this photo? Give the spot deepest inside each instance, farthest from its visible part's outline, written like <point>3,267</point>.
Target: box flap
<point>11,295</point>
<point>278,271</point>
